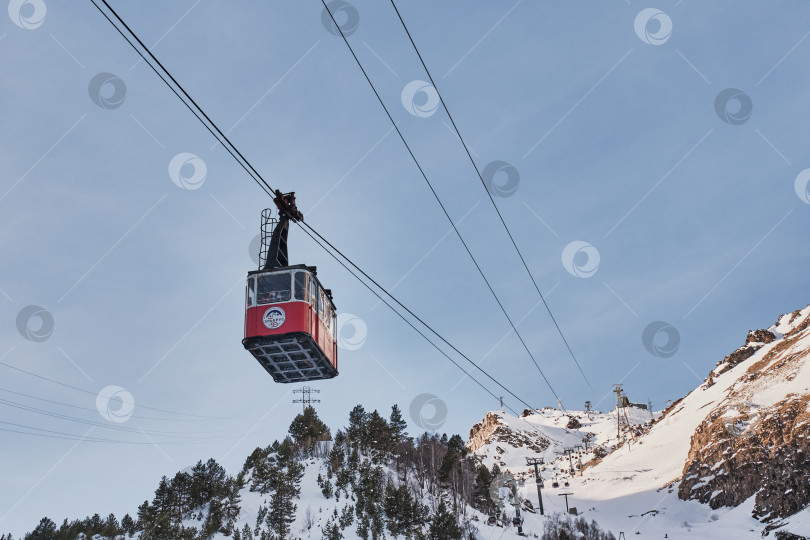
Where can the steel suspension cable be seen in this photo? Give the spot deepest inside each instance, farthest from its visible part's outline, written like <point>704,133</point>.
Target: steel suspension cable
<point>438,199</point>
<point>491,199</point>
<point>114,427</point>
<point>517,415</point>
<point>62,403</point>
<point>256,176</point>
<point>230,148</point>
<point>83,390</point>
<point>75,437</point>
<point>401,316</point>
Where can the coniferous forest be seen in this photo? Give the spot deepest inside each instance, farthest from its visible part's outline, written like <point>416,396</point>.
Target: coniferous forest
<point>391,485</point>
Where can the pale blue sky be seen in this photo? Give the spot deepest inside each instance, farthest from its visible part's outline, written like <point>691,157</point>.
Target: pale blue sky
<point>697,222</point>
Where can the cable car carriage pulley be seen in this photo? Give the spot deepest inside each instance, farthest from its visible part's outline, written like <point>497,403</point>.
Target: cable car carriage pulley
<point>290,319</point>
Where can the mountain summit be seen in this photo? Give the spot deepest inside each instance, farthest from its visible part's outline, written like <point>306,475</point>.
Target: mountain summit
<point>730,459</point>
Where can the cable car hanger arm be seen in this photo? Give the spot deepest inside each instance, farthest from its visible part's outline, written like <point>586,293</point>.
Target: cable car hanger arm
<point>275,254</point>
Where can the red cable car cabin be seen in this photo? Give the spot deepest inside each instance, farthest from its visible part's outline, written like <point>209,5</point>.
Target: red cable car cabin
<point>290,319</point>
<point>290,324</point>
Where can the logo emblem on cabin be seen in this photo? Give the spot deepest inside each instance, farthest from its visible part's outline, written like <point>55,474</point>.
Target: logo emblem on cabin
<point>274,317</point>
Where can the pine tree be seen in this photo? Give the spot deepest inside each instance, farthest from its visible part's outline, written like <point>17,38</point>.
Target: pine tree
<point>161,527</point>
<point>356,430</point>
<point>231,504</point>
<point>419,515</point>
<point>263,475</point>
<point>370,493</point>
<point>377,525</point>
<point>378,435</point>
<point>163,497</point>
<point>363,526</point>
<point>327,489</point>
<point>145,514</point>
<point>208,480</point>
<point>213,521</point>
<point>46,530</point>
<point>111,527</point>
<point>337,455</point>
<point>331,531</point>
<point>344,478</point>
<point>398,508</point>
<point>180,496</point>
<point>128,525</point>
<point>307,429</point>
<point>449,462</point>
<point>340,438</point>
<point>259,454</point>
<point>397,424</point>
<point>285,483</point>
<point>247,534</point>
<point>94,524</point>
<point>354,459</point>
<point>481,496</point>
<point>286,450</point>
<point>444,525</point>
<point>346,516</point>
<point>456,443</point>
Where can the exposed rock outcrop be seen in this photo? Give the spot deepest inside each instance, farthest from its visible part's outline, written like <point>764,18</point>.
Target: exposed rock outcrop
<point>491,429</point>
<point>742,449</point>
<point>760,336</point>
<point>762,452</point>
<point>753,342</point>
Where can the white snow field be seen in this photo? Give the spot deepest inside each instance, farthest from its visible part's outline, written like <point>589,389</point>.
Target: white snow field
<point>634,489</point>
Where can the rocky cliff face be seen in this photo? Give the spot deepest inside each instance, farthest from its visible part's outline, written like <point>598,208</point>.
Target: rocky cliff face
<point>755,340</point>
<point>493,430</point>
<point>756,441</point>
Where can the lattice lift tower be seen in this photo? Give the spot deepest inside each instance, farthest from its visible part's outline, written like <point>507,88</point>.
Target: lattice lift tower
<point>306,396</point>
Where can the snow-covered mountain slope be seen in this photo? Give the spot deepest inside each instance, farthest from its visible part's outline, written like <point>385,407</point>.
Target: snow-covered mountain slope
<point>756,441</point>
<point>739,442</point>
<point>315,512</point>
<point>507,440</point>
<point>729,460</point>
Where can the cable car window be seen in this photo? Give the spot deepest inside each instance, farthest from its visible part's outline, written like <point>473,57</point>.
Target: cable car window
<point>301,286</point>
<point>251,292</point>
<point>313,294</point>
<point>321,304</point>
<point>274,288</point>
